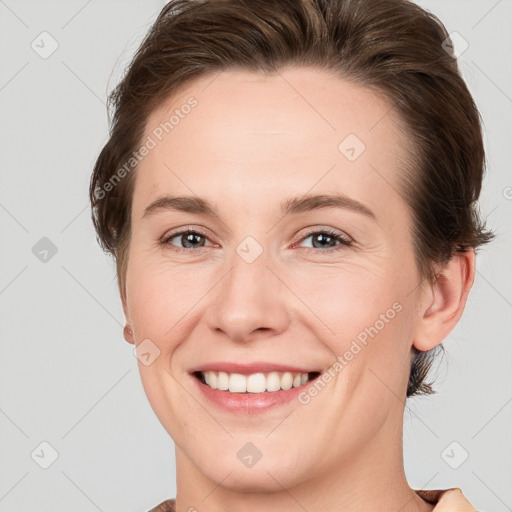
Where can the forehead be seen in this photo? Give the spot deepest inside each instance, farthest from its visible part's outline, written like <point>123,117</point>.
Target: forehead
<point>241,136</point>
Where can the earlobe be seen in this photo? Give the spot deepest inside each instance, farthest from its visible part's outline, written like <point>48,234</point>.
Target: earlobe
<point>445,302</point>
<point>127,331</point>
<point>128,334</point>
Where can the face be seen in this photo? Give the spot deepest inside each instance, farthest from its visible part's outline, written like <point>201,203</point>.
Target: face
<point>272,279</point>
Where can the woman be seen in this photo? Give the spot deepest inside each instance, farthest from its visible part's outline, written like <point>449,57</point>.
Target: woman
<point>289,190</point>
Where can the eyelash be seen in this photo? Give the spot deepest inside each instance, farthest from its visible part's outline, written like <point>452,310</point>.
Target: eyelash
<point>343,242</point>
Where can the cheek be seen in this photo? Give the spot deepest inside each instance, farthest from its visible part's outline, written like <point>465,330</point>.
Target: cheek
<point>159,297</point>
<point>366,322</point>
<point>348,300</point>
<point>339,304</point>
<point>161,303</point>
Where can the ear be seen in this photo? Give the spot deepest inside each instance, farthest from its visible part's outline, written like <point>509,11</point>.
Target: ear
<point>443,302</point>
<point>127,331</point>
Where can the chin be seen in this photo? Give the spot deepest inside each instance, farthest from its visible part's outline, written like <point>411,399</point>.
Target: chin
<point>263,479</point>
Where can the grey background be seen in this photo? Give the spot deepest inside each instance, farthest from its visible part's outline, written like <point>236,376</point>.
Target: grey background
<point>68,378</point>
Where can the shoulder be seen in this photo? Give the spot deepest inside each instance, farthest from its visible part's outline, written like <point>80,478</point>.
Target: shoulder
<point>165,506</point>
<point>448,500</point>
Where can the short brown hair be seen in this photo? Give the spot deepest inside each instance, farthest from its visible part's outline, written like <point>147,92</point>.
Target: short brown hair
<point>392,46</point>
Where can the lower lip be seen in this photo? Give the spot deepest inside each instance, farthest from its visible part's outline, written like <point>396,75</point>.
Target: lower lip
<point>250,403</point>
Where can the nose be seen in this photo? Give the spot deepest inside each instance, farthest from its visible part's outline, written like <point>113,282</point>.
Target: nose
<point>250,301</point>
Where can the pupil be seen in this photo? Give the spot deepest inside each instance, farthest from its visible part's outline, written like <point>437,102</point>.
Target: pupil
<point>190,237</point>
<point>322,236</point>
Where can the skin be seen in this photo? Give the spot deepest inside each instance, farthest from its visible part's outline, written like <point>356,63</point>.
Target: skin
<point>251,142</point>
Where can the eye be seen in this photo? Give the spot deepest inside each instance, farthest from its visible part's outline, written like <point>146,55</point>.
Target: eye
<point>189,238</point>
<point>328,239</point>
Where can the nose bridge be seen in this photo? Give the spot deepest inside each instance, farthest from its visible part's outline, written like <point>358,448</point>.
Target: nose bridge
<point>249,297</point>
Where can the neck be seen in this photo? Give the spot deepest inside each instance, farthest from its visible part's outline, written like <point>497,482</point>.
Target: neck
<point>373,479</point>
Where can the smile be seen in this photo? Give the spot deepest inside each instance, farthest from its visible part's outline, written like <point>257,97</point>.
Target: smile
<point>248,388</point>
<point>254,383</point>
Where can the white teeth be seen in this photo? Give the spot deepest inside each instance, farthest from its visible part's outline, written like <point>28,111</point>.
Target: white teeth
<point>222,381</point>
<point>273,381</point>
<point>254,383</point>
<point>287,381</point>
<point>237,383</point>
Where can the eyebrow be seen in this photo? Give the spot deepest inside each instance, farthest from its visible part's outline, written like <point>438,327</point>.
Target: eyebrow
<point>301,204</point>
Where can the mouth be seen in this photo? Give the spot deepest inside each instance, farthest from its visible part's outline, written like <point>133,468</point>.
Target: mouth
<point>248,388</point>
<point>255,383</point>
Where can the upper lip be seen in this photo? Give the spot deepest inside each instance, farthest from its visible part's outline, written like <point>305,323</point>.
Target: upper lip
<point>249,368</point>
